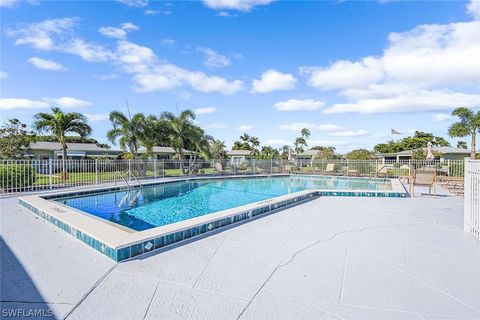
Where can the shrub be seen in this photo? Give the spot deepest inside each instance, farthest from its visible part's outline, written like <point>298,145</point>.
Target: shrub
<point>14,176</point>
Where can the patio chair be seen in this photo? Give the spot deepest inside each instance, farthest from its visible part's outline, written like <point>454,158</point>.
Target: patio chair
<point>243,167</point>
<point>423,178</point>
<point>219,168</point>
<point>329,169</point>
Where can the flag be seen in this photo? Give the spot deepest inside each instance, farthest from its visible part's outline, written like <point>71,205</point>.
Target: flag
<point>393,131</point>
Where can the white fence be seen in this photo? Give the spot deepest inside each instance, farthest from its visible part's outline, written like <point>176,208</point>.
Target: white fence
<point>28,175</point>
<point>472,198</point>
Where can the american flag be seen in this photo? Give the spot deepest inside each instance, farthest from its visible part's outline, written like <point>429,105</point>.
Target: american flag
<point>393,131</point>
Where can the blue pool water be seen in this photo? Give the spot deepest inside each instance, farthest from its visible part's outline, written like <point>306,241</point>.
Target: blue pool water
<point>163,204</point>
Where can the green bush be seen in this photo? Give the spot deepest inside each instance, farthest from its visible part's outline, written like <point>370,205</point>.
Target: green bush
<point>14,176</point>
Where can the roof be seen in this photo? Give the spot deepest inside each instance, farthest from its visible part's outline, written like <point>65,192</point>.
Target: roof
<point>311,153</point>
<point>239,153</point>
<point>168,150</point>
<point>55,146</point>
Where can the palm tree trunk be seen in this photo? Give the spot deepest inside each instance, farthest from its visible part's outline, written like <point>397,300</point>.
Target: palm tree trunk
<point>473,151</point>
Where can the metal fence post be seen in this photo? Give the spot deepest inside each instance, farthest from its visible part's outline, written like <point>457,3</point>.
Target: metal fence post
<point>467,197</point>
<point>163,168</point>
<point>96,171</point>
<point>50,173</point>
<point>155,168</point>
<point>129,169</point>
<point>271,166</point>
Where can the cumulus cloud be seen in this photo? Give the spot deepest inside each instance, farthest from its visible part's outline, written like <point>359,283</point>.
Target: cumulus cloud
<point>170,43</point>
<point>428,68</point>
<point>46,64</point>
<point>273,80</point>
<point>97,117</point>
<point>297,126</point>
<point>21,103</point>
<point>134,3</point>
<point>349,133</point>
<point>278,142</point>
<point>441,117</point>
<point>149,73</point>
<point>299,105</point>
<point>244,127</point>
<point>329,143</point>
<point>239,5</point>
<point>118,32</point>
<point>214,59</point>
<point>473,9</point>
<point>205,110</point>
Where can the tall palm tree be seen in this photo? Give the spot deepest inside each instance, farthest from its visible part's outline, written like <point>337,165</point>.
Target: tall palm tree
<point>59,124</point>
<point>183,133</point>
<point>127,131</point>
<point>301,141</point>
<point>469,125</point>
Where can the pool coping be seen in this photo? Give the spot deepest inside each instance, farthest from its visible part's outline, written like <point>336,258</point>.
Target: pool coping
<point>120,244</point>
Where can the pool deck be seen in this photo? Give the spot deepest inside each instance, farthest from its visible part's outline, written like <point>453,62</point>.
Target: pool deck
<point>330,258</point>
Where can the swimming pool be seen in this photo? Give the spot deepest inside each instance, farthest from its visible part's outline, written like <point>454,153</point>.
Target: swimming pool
<point>123,224</point>
<point>164,204</point>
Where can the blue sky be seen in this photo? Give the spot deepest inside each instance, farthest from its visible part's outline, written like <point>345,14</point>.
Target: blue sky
<point>349,71</point>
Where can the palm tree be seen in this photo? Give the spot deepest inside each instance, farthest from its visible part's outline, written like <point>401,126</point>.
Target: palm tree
<point>217,148</point>
<point>183,134</point>
<point>301,141</point>
<point>59,124</point>
<point>127,131</point>
<point>469,125</point>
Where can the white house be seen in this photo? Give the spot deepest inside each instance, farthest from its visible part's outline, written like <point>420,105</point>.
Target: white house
<point>43,150</point>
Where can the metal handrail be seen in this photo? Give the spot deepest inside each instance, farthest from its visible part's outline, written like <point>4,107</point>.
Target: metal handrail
<point>118,173</point>
<point>138,181</point>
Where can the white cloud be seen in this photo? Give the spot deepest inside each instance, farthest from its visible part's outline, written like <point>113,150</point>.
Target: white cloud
<point>410,101</point>
<point>428,68</point>
<point>112,76</point>
<point>344,74</point>
<point>205,110</point>
<point>134,3</point>
<point>273,80</point>
<point>118,33</point>
<point>8,3</point>
<point>170,43</point>
<point>41,35</point>
<point>214,59</point>
<point>441,117</point>
<point>46,64</point>
<point>299,105</point>
<point>151,12</point>
<point>68,102</point>
<point>240,5</point>
<point>473,9</point>
<point>3,75</point>
<point>149,73</point>
<point>58,35</point>
<point>349,133</point>
<point>97,117</point>
<point>21,103</point>
<point>297,126</point>
<point>244,127</point>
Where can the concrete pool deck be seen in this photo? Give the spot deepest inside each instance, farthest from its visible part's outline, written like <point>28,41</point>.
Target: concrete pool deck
<point>330,258</point>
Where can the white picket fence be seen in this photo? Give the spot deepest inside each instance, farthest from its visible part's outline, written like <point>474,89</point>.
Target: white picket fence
<point>472,198</point>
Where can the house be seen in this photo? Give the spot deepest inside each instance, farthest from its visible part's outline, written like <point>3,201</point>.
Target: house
<point>307,157</point>
<point>43,150</point>
<point>160,153</point>
<point>238,156</point>
<point>446,153</point>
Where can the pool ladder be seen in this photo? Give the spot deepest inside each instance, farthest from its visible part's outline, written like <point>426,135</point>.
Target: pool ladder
<point>135,197</point>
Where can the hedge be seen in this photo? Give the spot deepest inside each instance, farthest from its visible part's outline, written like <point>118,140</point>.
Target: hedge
<point>14,176</point>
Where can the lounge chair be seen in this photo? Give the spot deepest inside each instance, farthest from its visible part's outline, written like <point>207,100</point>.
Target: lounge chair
<point>424,178</point>
<point>219,168</point>
<point>452,184</point>
<point>329,169</point>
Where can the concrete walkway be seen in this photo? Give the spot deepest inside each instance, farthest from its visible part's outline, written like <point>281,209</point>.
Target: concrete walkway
<point>331,258</point>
